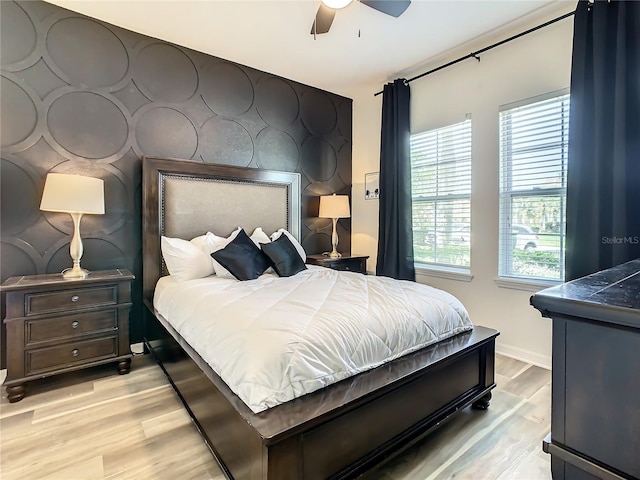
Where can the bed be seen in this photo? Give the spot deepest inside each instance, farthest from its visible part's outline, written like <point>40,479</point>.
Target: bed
<point>339,431</point>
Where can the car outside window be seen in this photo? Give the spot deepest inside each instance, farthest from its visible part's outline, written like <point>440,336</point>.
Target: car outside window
<point>533,170</point>
<point>441,197</point>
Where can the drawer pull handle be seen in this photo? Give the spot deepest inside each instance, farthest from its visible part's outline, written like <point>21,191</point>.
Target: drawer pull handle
<point>75,324</point>
<point>75,298</point>
<point>75,352</point>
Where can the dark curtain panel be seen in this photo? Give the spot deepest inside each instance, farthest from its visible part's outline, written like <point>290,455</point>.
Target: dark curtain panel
<point>395,234</point>
<point>603,182</point>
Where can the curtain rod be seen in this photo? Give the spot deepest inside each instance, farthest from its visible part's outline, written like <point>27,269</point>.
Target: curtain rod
<point>475,54</point>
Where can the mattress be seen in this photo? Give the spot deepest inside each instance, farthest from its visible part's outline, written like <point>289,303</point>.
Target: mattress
<point>274,339</point>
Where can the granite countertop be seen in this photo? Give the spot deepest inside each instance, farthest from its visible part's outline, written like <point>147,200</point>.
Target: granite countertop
<point>612,295</point>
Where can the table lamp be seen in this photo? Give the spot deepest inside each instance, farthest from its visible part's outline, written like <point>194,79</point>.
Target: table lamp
<point>334,207</point>
<point>76,195</point>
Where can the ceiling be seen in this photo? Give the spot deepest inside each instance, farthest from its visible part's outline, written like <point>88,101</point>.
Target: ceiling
<point>363,49</point>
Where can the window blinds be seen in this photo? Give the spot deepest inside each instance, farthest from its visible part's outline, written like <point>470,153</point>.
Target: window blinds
<point>533,167</point>
<point>441,195</point>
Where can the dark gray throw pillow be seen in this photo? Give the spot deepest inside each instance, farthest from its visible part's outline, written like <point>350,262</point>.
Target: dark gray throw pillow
<point>242,258</point>
<point>283,255</point>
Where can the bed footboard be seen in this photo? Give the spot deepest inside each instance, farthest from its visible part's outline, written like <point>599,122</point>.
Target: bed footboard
<point>340,431</point>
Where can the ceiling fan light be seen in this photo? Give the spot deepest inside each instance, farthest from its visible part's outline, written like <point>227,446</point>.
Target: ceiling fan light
<point>336,4</point>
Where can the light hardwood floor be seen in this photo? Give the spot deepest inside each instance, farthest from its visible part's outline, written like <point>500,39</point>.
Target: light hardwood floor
<point>95,424</point>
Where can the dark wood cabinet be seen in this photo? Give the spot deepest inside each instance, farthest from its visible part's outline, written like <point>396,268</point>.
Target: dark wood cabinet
<point>55,325</point>
<point>595,406</point>
<point>353,263</point>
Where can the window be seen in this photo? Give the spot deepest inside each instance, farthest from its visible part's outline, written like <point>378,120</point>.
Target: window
<point>441,196</point>
<point>533,171</point>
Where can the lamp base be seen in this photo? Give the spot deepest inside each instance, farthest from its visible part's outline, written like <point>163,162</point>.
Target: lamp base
<point>75,272</point>
<point>334,241</point>
<point>75,250</point>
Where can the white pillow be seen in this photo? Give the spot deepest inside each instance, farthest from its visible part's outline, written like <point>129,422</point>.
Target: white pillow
<point>216,243</point>
<point>184,260</point>
<point>201,243</point>
<point>301,252</point>
<point>258,236</point>
<point>207,243</point>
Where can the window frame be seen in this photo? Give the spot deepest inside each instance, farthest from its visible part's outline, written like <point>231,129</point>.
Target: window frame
<point>441,269</point>
<point>506,277</point>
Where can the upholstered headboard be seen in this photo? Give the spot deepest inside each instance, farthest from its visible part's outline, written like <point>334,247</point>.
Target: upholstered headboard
<point>185,199</point>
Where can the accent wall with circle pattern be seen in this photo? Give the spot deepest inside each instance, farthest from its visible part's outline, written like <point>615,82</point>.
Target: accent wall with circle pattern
<point>82,96</point>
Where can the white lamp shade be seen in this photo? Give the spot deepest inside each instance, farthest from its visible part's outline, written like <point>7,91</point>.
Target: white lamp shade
<point>73,194</point>
<point>334,206</point>
<point>336,4</point>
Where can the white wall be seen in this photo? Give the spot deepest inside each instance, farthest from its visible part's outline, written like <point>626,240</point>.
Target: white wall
<point>532,65</point>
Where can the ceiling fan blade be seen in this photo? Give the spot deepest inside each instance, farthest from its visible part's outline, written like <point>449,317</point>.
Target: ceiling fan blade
<point>395,8</point>
<point>323,21</point>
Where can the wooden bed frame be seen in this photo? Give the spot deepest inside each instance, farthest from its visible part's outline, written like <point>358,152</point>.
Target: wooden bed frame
<point>340,431</point>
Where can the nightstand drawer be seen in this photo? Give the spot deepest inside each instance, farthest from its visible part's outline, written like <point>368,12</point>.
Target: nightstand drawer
<point>43,330</point>
<point>350,265</point>
<point>69,354</point>
<point>36,303</point>
<point>355,263</point>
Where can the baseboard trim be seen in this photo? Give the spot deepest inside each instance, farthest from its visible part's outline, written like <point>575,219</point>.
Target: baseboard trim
<point>528,356</point>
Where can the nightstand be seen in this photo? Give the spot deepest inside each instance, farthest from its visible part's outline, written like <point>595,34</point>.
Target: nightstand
<point>56,325</point>
<point>354,263</point>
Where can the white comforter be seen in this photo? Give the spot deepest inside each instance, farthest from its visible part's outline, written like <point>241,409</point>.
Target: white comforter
<point>274,339</point>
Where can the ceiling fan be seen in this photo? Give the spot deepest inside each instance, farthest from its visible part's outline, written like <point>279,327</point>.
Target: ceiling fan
<point>327,10</point>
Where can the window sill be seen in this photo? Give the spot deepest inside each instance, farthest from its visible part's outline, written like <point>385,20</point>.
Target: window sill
<point>526,285</point>
<point>446,273</point>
